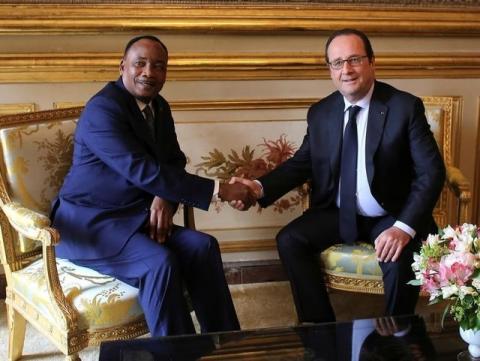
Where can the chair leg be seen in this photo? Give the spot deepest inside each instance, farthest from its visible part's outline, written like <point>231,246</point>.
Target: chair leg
<point>16,325</point>
<point>73,357</point>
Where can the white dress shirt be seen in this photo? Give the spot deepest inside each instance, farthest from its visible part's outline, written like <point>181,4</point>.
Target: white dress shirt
<point>367,205</point>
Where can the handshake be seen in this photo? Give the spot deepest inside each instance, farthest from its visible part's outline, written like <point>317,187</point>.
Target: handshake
<point>240,193</point>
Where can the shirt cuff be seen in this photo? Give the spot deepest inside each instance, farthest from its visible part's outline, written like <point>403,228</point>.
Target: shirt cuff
<point>406,228</point>
<point>261,188</point>
<point>216,189</point>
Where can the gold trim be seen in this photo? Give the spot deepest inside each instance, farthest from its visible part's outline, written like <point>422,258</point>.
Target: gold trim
<point>351,284</point>
<point>40,116</point>
<point>190,17</point>
<point>3,285</point>
<point>248,245</point>
<point>63,105</point>
<point>94,67</point>
<point>476,178</point>
<point>16,108</point>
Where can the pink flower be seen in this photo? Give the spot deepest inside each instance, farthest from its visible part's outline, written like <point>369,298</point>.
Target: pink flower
<point>456,268</point>
<point>461,273</point>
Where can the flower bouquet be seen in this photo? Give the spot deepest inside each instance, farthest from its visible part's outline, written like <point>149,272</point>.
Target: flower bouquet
<point>448,268</point>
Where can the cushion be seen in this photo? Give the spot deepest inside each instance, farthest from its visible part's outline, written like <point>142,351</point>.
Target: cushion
<point>102,301</point>
<point>357,261</point>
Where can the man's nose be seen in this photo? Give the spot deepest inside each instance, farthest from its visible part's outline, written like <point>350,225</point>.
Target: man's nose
<point>147,69</point>
<point>346,66</point>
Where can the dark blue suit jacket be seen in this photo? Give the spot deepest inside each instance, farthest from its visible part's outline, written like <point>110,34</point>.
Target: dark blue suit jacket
<point>117,169</point>
<point>405,169</point>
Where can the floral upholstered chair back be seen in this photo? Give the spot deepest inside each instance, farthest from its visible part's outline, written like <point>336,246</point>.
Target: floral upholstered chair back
<point>36,157</point>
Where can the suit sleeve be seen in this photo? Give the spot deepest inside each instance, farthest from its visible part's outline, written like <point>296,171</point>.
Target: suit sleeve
<point>176,156</point>
<point>110,137</point>
<point>428,170</point>
<point>290,174</point>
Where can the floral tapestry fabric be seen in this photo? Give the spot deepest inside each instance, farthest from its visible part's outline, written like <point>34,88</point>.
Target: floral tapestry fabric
<point>102,301</point>
<point>37,158</point>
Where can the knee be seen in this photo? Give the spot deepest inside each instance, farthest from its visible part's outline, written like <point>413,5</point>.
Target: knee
<point>205,244</point>
<point>167,262</point>
<point>284,241</point>
<point>399,269</point>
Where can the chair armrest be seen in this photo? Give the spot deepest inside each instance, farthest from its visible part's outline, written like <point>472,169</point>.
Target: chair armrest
<point>36,226</point>
<point>188,217</point>
<point>27,222</point>
<point>304,191</point>
<point>460,186</point>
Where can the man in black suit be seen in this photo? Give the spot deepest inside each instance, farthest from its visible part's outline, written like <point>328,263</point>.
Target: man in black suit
<point>375,178</point>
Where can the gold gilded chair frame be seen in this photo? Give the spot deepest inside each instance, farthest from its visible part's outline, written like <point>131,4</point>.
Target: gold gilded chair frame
<point>16,221</point>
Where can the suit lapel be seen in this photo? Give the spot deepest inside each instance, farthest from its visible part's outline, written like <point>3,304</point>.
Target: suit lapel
<point>375,126</point>
<point>335,132</point>
<point>137,120</point>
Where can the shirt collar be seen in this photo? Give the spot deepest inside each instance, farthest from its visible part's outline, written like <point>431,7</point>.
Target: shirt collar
<point>142,105</point>
<point>362,103</point>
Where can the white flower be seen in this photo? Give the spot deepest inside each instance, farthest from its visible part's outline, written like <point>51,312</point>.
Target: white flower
<point>449,232</point>
<point>433,240</point>
<point>476,283</point>
<point>464,258</point>
<point>449,291</point>
<point>466,290</point>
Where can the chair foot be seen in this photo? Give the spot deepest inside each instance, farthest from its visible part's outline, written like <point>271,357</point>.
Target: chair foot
<point>73,357</point>
<point>17,325</point>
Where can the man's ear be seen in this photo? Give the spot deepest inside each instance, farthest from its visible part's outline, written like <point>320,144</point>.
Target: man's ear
<point>121,66</point>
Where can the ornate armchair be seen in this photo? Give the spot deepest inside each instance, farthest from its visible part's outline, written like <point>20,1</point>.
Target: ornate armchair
<point>73,306</point>
<point>355,268</point>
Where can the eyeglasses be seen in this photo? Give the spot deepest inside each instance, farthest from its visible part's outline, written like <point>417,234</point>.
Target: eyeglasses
<point>352,61</point>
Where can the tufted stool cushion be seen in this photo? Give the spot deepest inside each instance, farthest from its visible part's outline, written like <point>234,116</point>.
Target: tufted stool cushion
<point>348,266</point>
<point>101,301</point>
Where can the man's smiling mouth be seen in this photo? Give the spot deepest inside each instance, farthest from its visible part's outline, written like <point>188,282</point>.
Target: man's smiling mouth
<point>146,83</point>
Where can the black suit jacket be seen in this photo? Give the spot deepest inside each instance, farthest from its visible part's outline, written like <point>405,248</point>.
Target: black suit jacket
<point>405,169</point>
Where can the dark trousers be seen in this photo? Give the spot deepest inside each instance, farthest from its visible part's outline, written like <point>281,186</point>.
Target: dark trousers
<point>159,271</point>
<point>299,244</point>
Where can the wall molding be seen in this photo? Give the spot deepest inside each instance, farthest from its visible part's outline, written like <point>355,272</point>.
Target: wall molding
<point>91,67</point>
<point>16,108</point>
<point>190,16</point>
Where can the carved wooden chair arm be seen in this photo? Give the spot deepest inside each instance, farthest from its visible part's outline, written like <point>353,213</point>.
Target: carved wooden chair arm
<point>188,217</point>
<point>460,187</point>
<point>36,226</point>
<point>27,222</point>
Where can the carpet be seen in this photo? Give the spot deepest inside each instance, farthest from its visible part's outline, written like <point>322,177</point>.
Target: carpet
<point>258,305</point>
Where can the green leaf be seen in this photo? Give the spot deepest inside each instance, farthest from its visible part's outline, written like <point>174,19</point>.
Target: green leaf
<point>415,282</point>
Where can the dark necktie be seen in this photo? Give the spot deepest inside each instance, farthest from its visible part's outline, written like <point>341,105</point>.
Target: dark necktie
<point>150,119</point>
<point>348,179</point>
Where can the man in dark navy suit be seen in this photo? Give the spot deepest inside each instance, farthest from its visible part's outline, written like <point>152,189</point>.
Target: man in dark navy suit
<point>376,174</point>
<point>115,208</point>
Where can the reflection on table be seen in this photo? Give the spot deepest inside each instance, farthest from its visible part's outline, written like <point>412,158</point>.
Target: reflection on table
<point>398,339</point>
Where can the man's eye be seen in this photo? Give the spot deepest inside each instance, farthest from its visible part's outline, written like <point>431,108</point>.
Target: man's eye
<point>337,63</point>
<point>139,63</point>
<point>354,60</point>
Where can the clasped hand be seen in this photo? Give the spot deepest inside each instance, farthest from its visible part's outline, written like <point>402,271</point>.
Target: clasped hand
<point>161,219</point>
<point>241,193</point>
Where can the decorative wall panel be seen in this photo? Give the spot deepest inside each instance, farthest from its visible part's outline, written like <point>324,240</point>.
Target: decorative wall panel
<point>93,67</point>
